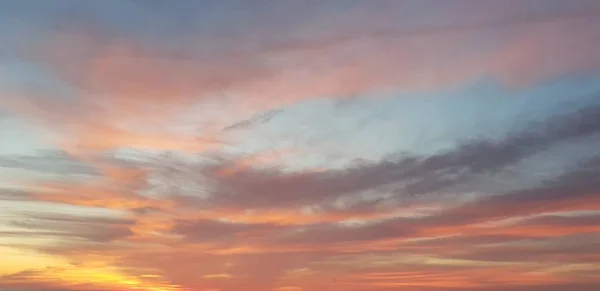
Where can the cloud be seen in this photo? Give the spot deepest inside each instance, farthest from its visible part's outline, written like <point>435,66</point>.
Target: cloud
<point>208,230</point>
<point>335,234</point>
<point>54,162</point>
<point>410,175</point>
<point>14,195</point>
<point>98,196</point>
<point>575,190</point>
<point>254,120</point>
<point>166,120</point>
<point>543,287</point>
<point>61,278</point>
<point>147,83</point>
<point>96,229</point>
<point>475,222</point>
<point>565,221</point>
<point>546,250</point>
<point>278,227</point>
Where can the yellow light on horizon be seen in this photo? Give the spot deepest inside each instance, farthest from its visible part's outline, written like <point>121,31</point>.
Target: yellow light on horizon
<point>16,260</point>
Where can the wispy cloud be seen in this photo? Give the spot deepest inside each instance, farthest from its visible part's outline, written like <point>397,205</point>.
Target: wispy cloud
<point>290,146</point>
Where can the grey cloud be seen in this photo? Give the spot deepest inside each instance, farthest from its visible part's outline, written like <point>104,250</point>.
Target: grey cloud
<point>573,186</point>
<point>54,161</point>
<point>414,174</point>
<point>14,195</point>
<point>254,120</point>
<point>583,248</point>
<point>98,229</point>
<point>83,219</point>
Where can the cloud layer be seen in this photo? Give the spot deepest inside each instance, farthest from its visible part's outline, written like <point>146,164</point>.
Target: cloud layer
<point>300,146</point>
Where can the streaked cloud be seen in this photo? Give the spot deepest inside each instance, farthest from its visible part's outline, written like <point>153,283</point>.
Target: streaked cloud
<point>359,146</point>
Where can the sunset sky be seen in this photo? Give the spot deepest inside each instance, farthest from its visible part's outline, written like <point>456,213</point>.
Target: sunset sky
<point>343,145</point>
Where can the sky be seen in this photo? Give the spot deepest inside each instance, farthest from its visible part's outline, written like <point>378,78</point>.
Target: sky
<point>419,145</point>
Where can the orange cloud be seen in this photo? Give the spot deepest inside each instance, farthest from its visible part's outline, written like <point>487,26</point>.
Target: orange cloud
<point>125,83</point>
<point>90,195</point>
<point>135,80</point>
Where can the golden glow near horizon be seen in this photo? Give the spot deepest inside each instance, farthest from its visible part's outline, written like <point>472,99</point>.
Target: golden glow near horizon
<point>16,260</point>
